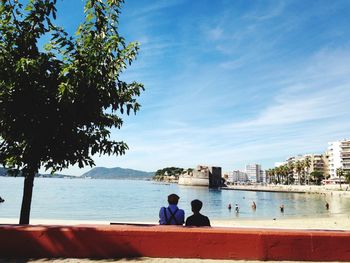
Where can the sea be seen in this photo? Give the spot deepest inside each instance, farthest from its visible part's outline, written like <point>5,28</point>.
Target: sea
<point>140,201</point>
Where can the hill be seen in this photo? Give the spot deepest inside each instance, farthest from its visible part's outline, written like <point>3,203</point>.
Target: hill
<point>117,173</point>
<point>3,172</point>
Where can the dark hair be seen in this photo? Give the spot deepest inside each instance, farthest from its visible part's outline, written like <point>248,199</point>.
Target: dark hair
<point>196,205</point>
<point>173,199</point>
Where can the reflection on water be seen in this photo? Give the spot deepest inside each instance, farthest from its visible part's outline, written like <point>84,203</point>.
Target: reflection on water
<point>113,200</point>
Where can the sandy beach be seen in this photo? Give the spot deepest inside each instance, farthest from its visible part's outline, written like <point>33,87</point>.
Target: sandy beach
<point>337,222</point>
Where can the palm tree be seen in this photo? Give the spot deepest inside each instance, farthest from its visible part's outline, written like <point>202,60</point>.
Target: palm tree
<point>340,173</point>
<point>278,173</point>
<point>307,165</point>
<point>269,174</point>
<point>347,177</point>
<point>285,173</point>
<point>299,168</point>
<point>291,167</point>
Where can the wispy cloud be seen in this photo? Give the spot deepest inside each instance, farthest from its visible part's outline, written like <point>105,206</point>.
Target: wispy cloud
<point>267,11</point>
<point>233,82</point>
<point>154,6</point>
<point>302,117</point>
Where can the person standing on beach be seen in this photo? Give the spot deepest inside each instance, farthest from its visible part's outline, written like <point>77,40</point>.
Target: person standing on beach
<point>197,219</point>
<point>172,215</point>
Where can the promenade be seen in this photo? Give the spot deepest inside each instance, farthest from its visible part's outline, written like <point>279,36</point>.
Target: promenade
<point>344,190</point>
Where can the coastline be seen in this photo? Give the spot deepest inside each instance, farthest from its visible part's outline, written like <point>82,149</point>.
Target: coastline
<point>334,222</point>
<point>302,189</point>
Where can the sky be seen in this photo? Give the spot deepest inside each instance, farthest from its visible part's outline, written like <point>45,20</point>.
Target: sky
<point>231,82</point>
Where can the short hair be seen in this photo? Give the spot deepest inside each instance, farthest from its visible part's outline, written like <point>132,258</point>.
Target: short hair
<point>173,199</point>
<point>196,205</point>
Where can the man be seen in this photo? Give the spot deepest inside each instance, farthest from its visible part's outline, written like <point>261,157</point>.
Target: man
<point>197,219</point>
<point>172,215</point>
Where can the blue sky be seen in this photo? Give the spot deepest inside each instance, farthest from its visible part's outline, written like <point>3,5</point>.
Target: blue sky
<point>231,82</point>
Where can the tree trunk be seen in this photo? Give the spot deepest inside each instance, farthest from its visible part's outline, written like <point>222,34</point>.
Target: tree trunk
<point>27,198</point>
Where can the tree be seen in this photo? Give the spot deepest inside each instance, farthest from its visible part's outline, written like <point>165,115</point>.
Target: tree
<point>307,165</point>
<point>57,105</point>
<point>347,177</point>
<point>270,174</point>
<point>299,167</point>
<point>291,167</point>
<point>316,177</point>
<point>340,174</point>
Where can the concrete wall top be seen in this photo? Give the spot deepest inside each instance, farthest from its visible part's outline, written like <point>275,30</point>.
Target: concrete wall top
<point>115,241</point>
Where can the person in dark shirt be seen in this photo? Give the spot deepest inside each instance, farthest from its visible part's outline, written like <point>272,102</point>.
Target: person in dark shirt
<point>197,219</point>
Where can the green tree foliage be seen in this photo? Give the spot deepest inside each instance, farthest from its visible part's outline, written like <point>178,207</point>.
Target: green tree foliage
<point>347,177</point>
<point>57,105</point>
<point>316,177</point>
<point>169,171</point>
<point>340,174</point>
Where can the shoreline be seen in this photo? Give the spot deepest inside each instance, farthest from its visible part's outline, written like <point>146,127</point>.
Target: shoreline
<point>333,222</point>
<point>298,189</point>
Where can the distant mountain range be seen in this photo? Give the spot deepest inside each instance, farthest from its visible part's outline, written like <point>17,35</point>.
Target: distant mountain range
<point>3,172</point>
<point>100,173</point>
<point>117,173</point>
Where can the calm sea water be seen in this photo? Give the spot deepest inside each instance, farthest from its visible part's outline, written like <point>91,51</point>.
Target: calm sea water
<point>113,200</point>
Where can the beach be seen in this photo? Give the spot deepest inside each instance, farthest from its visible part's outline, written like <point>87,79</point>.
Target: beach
<point>335,222</point>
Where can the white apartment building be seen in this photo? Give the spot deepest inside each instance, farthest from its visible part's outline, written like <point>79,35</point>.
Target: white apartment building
<point>338,157</point>
<point>262,178</point>
<point>238,176</point>
<point>253,172</point>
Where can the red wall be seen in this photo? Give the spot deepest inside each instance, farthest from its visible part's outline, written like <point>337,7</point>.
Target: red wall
<point>96,241</point>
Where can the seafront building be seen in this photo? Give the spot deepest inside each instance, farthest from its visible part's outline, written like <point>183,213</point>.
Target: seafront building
<point>237,177</point>
<point>338,157</point>
<point>317,163</point>
<point>254,173</point>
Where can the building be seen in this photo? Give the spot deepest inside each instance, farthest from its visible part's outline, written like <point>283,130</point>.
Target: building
<point>253,172</point>
<point>338,157</point>
<point>317,163</point>
<point>237,177</point>
<point>262,178</point>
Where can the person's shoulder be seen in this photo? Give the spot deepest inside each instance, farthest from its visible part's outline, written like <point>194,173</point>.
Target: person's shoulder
<point>189,220</point>
<point>202,216</point>
<point>191,217</point>
<point>206,219</point>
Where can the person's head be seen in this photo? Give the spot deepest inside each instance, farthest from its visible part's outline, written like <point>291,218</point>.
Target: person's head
<point>196,205</point>
<point>173,199</point>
